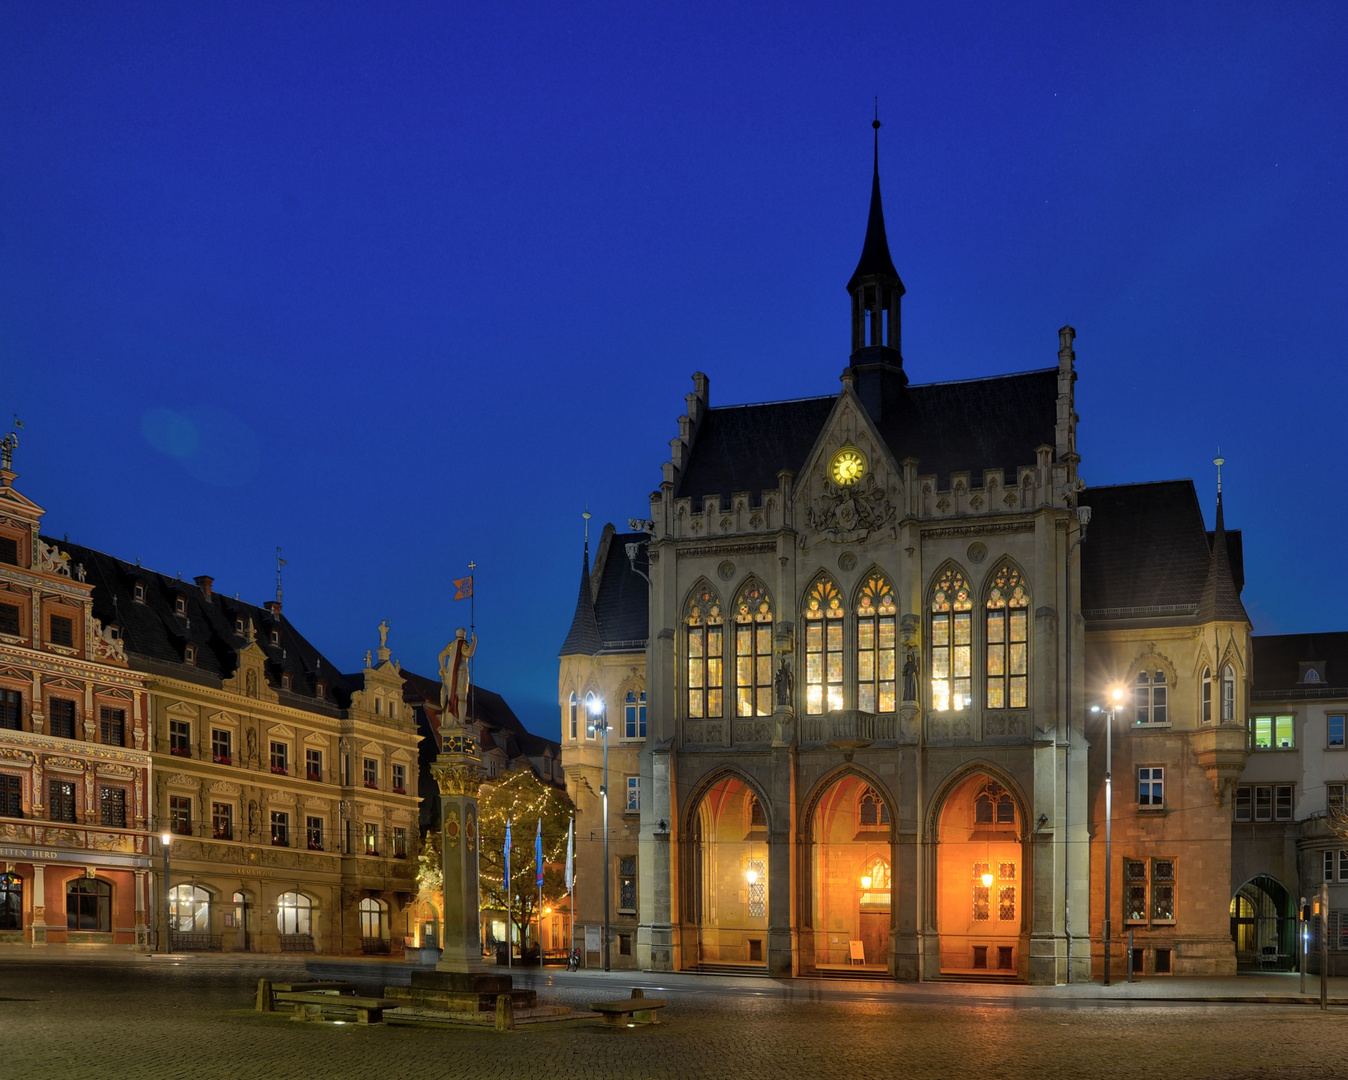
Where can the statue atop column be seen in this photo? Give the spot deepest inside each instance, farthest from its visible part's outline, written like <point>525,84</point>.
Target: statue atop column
<point>454,676</point>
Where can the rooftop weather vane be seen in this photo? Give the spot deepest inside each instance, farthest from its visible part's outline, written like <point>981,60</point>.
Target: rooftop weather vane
<point>1219,461</point>
<point>280,562</point>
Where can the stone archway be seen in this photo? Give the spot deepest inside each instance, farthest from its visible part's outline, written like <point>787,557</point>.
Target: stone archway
<point>847,877</point>
<point>981,892</point>
<point>1263,926</point>
<point>726,898</point>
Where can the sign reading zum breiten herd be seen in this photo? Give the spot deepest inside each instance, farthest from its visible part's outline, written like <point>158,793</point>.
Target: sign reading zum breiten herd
<point>41,854</point>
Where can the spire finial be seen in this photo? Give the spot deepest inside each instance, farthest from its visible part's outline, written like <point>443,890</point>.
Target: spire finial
<point>280,562</point>
<point>1219,461</point>
<point>586,516</point>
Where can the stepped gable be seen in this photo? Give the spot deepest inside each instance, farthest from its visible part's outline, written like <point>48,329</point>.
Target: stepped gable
<point>1278,659</point>
<point>622,601</point>
<point>156,637</point>
<point>1147,551</point>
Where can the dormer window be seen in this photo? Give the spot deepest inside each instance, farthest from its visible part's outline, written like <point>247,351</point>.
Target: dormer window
<point>238,626</point>
<point>138,593</point>
<point>318,690</point>
<point>190,656</point>
<point>179,606</point>
<point>276,637</point>
<point>285,682</point>
<point>1312,672</point>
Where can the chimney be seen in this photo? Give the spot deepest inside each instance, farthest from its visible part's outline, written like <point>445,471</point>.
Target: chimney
<point>274,606</point>
<point>204,583</point>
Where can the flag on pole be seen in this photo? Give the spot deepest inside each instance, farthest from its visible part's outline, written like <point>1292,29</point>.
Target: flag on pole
<point>570,867</point>
<point>507,853</point>
<point>538,854</point>
<point>464,585</point>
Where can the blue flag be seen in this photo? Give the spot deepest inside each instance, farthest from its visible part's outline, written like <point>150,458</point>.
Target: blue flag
<point>507,853</point>
<point>538,854</point>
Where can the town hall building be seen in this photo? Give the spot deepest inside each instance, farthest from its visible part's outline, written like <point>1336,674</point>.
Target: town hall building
<point>865,633</point>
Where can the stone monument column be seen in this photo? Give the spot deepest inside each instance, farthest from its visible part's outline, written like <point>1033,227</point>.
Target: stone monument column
<point>457,773</point>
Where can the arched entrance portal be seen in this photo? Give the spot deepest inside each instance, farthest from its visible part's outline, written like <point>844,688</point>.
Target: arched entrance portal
<point>850,877</point>
<point>727,890</point>
<point>1263,926</point>
<point>980,879</point>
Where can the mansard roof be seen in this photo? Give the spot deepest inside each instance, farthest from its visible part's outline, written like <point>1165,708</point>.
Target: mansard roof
<point>1278,659</point>
<point>1147,554</point>
<point>970,424</point>
<point>156,636</point>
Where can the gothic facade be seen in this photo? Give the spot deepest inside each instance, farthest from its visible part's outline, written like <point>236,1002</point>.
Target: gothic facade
<point>867,630</point>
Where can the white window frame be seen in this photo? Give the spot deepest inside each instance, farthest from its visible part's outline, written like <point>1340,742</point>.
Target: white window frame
<point>1153,777</point>
<point>1329,731</point>
<point>1151,698</point>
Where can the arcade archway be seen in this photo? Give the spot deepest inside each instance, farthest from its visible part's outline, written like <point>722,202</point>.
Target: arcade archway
<point>1263,926</point>
<point>726,898</point>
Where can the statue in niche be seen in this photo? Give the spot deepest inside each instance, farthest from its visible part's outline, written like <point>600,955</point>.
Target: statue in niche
<point>454,682</point>
<point>250,683</point>
<point>252,744</point>
<point>783,684</point>
<point>252,814</point>
<point>910,674</point>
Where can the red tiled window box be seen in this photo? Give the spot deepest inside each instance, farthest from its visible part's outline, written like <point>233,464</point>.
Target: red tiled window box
<point>280,771</point>
<point>399,791</point>
<point>371,785</point>
<point>180,751</point>
<point>314,776</point>
<point>315,847</point>
<point>223,759</point>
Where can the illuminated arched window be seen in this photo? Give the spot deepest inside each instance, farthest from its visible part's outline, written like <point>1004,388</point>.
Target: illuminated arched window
<point>875,885</point>
<point>876,647</point>
<point>1205,706</point>
<point>871,809</point>
<point>373,919</point>
<point>1228,694</point>
<point>951,643</point>
<point>1008,612</point>
<point>705,640</point>
<point>190,909</point>
<point>994,806</point>
<point>823,648</point>
<point>294,913</point>
<point>753,652</point>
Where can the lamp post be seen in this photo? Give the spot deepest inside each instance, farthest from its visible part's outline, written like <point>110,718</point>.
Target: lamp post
<point>598,717</point>
<point>165,839</point>
<point>1115,696</point>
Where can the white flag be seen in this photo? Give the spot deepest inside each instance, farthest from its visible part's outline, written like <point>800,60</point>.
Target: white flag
<point>570,869</point>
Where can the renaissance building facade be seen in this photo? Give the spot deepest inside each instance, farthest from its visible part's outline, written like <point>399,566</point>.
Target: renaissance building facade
<point>866,631</point>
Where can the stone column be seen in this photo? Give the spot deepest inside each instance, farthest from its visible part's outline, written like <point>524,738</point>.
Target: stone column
<point>39,904</point>
<point>457,773</point>
<point>142,926</point>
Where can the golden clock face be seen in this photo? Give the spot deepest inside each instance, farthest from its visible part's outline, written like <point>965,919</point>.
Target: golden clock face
<point>847,466</point>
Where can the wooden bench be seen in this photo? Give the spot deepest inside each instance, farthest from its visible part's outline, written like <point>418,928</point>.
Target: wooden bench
<point>267,990</point>
<point>640,1008</point>
<point>321,1004</point>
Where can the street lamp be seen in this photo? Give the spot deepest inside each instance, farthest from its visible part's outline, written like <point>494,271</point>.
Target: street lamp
<point>165,838</point>
<point>599,723</point>
<point>1116,698</point>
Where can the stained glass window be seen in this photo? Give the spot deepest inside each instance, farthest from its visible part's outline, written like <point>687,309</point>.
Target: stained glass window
<point>1008,610</point>
<point>706,678</point>
<point>951,643</point>
<point>823,648</point>
<point>876,656</point>
<point>753,652</point>
<point>1135,890</point>
<point>1006,906</point>
<point>758,888</point>
<point>982,893</point>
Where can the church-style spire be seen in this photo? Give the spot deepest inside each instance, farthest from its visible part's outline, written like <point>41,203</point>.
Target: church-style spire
<point>876,369</point>
<point>583,638</point>
<point>1220,599</point>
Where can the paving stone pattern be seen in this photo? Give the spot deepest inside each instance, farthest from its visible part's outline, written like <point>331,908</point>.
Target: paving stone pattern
<point>140,1019</point>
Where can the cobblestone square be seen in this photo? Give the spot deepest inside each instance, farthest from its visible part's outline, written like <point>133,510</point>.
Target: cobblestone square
<point>138,1018</point>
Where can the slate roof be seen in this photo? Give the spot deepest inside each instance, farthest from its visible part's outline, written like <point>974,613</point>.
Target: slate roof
<point>623,597</point>
<point>583,638</point>
<point>1278,659</point>
<point>156,636</point>
<point>1147,553</point>
<point>971,424</point>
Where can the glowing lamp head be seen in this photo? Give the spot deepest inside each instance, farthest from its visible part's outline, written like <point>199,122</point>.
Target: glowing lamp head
<point>1117,694</point>
<point>751,876</point>
<point>166,838</point>
<point>596,706</point>
<point>866,882</point>
<point>987,881</point>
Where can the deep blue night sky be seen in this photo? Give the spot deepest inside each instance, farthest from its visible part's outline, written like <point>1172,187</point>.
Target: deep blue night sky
<point>395,286</point>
